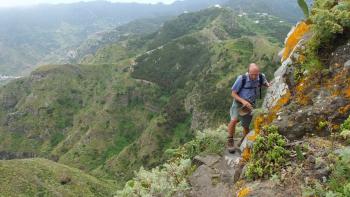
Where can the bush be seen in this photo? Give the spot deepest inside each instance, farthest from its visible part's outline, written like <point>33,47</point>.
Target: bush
<point>206,142</point>
<point>268,155</point>
<point>328,18</point>
<point>172,176</point>
<point>345,130</point>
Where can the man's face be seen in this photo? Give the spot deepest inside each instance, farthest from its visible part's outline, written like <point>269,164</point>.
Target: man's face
<point>253,74</point>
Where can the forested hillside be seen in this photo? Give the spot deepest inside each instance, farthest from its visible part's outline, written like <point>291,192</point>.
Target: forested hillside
<point>137,97</point>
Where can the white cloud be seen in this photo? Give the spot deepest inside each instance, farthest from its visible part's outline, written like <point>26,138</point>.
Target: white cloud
<point>12,3</point>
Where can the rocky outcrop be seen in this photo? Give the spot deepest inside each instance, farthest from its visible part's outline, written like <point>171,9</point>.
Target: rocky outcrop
<point>284,76</point>
<point>200,118</point>
<point>317,102</point>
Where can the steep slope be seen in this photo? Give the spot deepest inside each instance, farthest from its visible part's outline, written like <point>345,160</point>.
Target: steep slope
<point>40,177</point>
<point>52,113</point>
<point>114,113</point>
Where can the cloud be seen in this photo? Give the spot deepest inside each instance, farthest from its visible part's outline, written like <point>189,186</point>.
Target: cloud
<point>12,3</point>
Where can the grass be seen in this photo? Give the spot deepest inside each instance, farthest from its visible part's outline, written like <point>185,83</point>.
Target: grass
<point>41,177</point>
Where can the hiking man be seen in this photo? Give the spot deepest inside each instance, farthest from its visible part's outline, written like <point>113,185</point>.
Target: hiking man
<point>244,93</point>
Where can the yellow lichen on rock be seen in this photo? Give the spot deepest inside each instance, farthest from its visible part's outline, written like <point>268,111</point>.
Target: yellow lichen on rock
<point>347,92</point>
<point>244,192</point>
<point>253,137</point>
<point>301,96</point>
<point>344,109</point>
<point>246,154</point>
<point>258,121</point>
<point>264,120</point>
<point>294,37</point>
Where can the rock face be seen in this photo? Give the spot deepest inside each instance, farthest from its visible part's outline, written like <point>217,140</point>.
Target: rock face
<point>295,123</point>
<point>284,76</point>
<point>279,85</point>
<point>200,119</point>
<point>317,102</point>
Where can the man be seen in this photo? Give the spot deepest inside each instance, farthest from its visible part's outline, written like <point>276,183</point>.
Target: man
<point>244,93</point>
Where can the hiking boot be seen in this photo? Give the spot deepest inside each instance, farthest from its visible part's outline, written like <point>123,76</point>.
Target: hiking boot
<point>230,145</point>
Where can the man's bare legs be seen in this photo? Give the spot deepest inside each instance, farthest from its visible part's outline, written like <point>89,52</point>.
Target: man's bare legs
<point>231,128</point>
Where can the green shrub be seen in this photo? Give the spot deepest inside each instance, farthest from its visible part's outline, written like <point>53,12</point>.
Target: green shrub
<point>268,155</point>
<point>345,130</point>
<point>172,176</point>
<point>340,177</point>
<point>206,142</point>
<point>164,181</point>
<point>328,18</point>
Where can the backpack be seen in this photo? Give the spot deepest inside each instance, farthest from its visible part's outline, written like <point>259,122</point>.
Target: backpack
<point>244,79</point>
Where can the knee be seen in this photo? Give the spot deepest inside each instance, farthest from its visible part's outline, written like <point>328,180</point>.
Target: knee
<point>233,122</point>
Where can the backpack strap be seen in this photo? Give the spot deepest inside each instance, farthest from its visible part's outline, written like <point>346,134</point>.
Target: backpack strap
<point>244,79</point>
<point>261,81</point>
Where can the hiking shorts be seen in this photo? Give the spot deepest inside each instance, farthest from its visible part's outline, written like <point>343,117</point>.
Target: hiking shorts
<point>245,120</point>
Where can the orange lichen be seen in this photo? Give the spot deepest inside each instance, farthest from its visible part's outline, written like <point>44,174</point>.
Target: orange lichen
<point>300,92</point>
<point>246,154</point>
<point>262,120</point>
<point>253,137</point>
<point>347,92</point>
<point>244,192</point>
<point>344,109</point>
<point>300,30</point>
<point>335,127</point>
<point>258,121</point>
<point>281,102</point>
<point>339,85</point>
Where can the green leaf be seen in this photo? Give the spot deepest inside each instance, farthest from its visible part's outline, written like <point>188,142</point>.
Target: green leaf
<point>302,4</point>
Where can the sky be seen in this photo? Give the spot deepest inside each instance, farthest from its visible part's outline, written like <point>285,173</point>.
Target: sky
<point>13,3</point>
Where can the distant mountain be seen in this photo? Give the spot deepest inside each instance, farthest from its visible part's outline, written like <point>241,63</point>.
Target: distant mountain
<point>31,36</point>
<point>285,9</point>
<point>64,33</point>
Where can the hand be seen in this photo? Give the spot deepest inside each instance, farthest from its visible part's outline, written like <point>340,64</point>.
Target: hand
<point>247,104</point>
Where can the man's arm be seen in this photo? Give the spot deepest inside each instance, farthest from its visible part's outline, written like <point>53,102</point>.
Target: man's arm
<point>241,100</point>
<point>235,89</point>
<point>265,82</point>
